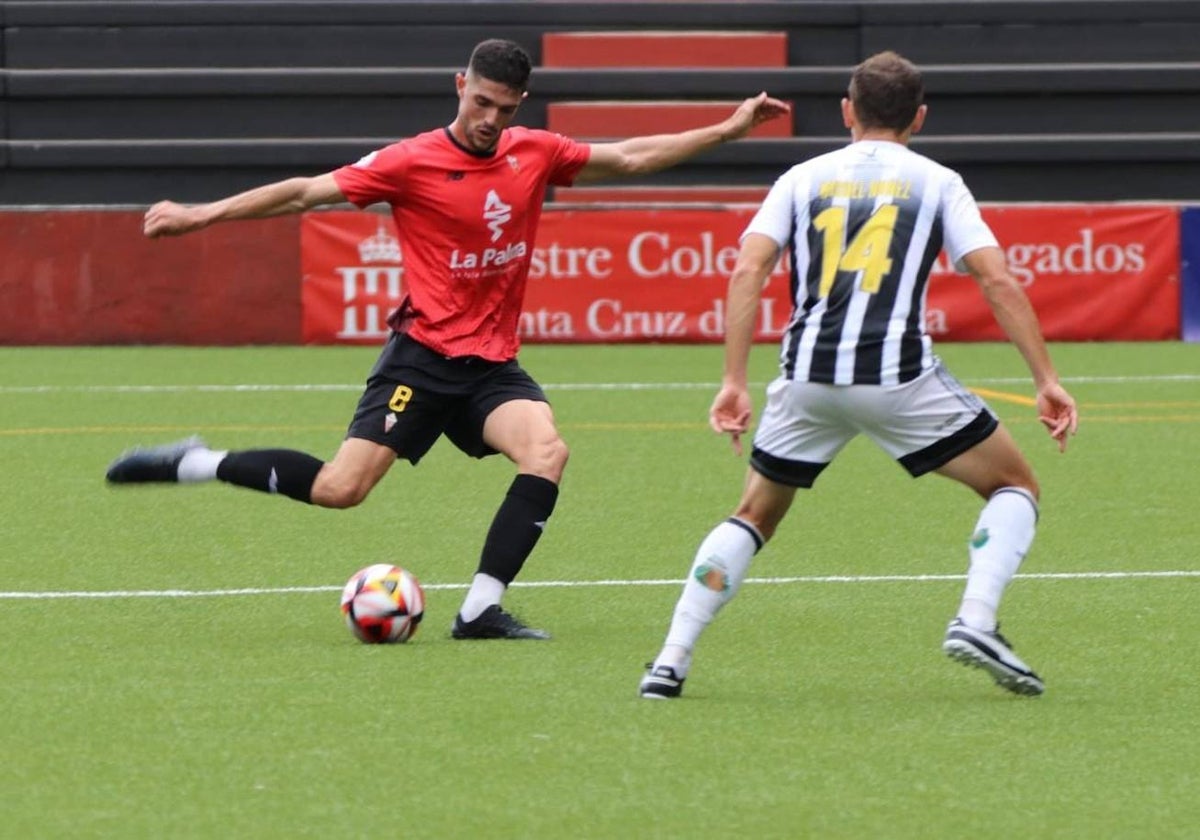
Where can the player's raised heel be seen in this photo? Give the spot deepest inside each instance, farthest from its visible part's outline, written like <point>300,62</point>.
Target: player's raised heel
<point>992,653</point>
<point>151,463</point>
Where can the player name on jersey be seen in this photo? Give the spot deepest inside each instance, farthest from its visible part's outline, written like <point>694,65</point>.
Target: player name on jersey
<point>885,188</point>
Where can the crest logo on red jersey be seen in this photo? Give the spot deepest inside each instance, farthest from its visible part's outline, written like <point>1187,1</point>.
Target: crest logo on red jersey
<point>497,213</point>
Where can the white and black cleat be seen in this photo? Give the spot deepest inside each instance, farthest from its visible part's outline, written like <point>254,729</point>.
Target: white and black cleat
<point>991,652</point>
<point>660,683</point>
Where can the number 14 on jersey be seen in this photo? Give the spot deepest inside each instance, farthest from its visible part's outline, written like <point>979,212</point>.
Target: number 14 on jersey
<point>867,252</point>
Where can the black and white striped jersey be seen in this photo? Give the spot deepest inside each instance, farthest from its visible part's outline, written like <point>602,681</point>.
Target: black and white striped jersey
<point>864,225</point>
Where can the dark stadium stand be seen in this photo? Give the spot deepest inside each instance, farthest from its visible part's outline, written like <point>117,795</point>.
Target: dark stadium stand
<point>127,101</point>
<point>628,118</point>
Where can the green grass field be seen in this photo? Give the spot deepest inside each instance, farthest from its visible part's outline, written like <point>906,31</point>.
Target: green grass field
<point>174,663</point>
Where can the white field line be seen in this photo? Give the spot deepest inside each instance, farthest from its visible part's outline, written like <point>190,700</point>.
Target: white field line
<point>554,386</point>
<point>578,584</point>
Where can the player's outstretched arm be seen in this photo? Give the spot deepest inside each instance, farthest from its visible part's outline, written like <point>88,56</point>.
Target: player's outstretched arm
<point>1015,315</point>
<point>642,155</point>
<point>295,195</point>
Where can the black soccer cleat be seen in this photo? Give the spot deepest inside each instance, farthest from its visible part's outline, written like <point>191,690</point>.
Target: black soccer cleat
<point>494,623</point>
<point>151,463</point>
<point>992,653</point>
<point>660,683</point>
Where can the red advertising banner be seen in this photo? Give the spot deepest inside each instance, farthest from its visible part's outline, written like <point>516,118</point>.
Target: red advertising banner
<point>1092,272</point>
<point>70,277</point>
<point>641,275</point>
<point>598,276</point>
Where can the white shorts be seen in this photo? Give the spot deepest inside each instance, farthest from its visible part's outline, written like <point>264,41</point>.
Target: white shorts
<point>923,424</point>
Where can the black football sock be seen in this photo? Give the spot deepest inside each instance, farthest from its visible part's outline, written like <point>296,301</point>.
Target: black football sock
<point>517,526</point>
<point>283,471</point>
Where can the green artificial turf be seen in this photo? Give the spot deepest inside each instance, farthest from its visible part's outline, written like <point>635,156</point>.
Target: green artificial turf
<point>175,665</point>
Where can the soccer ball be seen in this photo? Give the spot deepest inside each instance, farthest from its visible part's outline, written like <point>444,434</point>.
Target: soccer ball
<point>383,603</point>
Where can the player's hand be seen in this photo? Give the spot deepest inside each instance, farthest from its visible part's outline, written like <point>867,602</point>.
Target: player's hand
<point>1056,410</point>
<point>730,414</point>
<point>166,218</point>
<point>755,111</point>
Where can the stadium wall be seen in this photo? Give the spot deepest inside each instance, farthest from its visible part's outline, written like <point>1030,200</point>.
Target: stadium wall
<point>600,274</point>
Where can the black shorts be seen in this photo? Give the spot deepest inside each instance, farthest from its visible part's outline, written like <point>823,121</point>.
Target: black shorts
<point>414,395</point>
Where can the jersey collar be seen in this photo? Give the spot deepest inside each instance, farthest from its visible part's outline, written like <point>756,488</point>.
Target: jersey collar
<point>450,136</point>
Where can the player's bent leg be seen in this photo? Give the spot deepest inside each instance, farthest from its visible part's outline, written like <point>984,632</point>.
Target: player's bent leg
<point>717,572</point>
<point>354,471</point>
<point>764,503</point>
<point>995,469</point>
<point>524,432</point>
<point>992,463</point>
<point>284,471</point>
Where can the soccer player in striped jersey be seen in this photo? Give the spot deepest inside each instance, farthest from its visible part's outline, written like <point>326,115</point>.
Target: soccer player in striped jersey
<point>862,227</point>
<point>466,199</point>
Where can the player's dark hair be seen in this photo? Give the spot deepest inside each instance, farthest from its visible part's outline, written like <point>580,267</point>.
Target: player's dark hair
<point>501,61</point>
<point>886,90</point>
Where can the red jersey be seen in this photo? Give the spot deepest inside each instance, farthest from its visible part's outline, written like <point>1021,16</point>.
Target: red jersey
<point>467,223</point>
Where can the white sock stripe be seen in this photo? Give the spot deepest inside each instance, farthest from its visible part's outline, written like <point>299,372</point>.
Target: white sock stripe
<point>1020,491</point>
<point>754,533</point>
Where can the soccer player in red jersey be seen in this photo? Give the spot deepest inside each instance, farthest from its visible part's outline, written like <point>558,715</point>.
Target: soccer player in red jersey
<point>466,199</point>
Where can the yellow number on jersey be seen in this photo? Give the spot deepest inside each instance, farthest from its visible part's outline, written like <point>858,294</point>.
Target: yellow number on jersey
<point>867,252</point>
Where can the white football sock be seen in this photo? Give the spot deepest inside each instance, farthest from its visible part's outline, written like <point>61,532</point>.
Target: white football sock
<point>716,574</point>
<point>1002,536</point>
<point>675,656</point>
<point>485,590</point>
<point>199,465</point>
